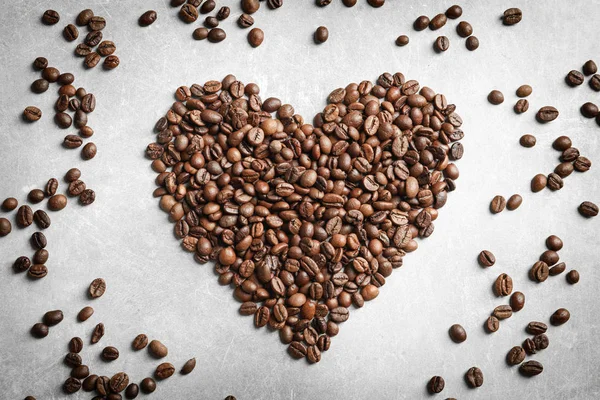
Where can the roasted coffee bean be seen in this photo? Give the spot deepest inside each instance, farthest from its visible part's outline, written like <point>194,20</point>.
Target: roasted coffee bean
<point>75,345</point>
<point>569,154</point>
<point>564,169</point>
<point>72,141</point>
<point>50,74</point>
<point>39,330</point>
<point>531,368</point>
<point>588,110</point>
<point>245,21</point>
<point>97,288</point>
<point>527,140</point>
<point>70,32</point>
<point>82,50</point>
<point>147,18</point>
<point>50,17</point>
<point>89,383</point>
<point>63,120</point>
<point>512,16</point>
<point>38,240</point>
<point>529,346</point>
<point>5,227</point>
<point>51,187</point>
<point>457,333</point>
<point>106,48</point>
<point>538,183</point>
<point>140,342</point>
<point>464,29</point>
<point>24,216</point>
<point>514,202</point>
<point>496,97</point>
<point>554,182</point>
<point>40,256</point>
<point>515,356</point>
<point>72,360</point>
<point>474,377</point>
<point>582,164</point>
<point>132,391</point>
<point>573,277</point>
<point>40,85</point>
<point>503,312</point>
<point>497,204</point>
<point>84,17</point>
<point>588,209</point>
<point>119,382</point>
<point>89,151</point>
<point>111,62</point>
<point>92,59</point>
<point>200,33</point>
<point>541,341</point>
<point>524,91</point>
<point>188,366</point>
<point>86,131</point>
<point>88,103</point>
<point>32,114</point>
<point>536,328</point>
<point>9,204</point>
<point>547,114</point>
<point>110,353</point>
<point>97,23</point>
<point>188,13</point>
<point>93,38</point>
<point>207,6</point>
<point>402,40</point>
<point>517,301</point>
<point>22,264</point>
<point>256,37</point>
<point>553,242</point>
<point>375,3</point>
<point>442,43</point>
<point>437,22</point>
<point>539,272</point>
<point>574,78</point>
<point>216,35</point>
<point>436,384</point>
<point>85,313</point>
<point>164,371</point>
<point>35,196</point>
<point>472,43</point>
<point>224,11</point>
<point>486,258</point>
<point>148,385</point>
<point>72,175</point>
<point>57,202</point>
<point>80,372</point>
<point>72,385</point>
<point>211,22</point>
<point>40,63</point>
<point>421,23</point>
<point>550,257</point>
<point>562,143</point>
<point>37,271</point>
<point>97,333</point>
<point>76,188</point>
<point>521,106</point>
<point>589,68</point>
<point>454,12</point>
<point>103,385</point>
<point>595,82</point>
<point>321,35</point>
<point>157,349</point>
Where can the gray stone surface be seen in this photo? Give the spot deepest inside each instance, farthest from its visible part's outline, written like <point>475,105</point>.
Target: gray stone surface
<point>390,348</point>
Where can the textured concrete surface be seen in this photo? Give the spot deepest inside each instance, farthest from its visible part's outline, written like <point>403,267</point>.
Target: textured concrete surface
<point>390,348</point>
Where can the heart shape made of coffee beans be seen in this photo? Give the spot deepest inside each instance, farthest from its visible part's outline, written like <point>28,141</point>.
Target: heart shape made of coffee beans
<point>305,220</point>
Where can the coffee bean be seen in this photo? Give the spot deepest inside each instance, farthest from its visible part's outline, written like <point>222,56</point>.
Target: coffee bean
<point>517,301</point>
<point>589,68</point>
<point>595,82</point>
<point>40,63</point>
<point>512,16</point>
<point>564,169</point>
<point>245,21</point>
<point>442,43</point>
<point>402,40</point>
<point>541,341</point>
<point>164,371</point>
<point>474,377</point>
<point>562,143</point>
<point>110,353</point>
<point>147,18</point>
<point>531,368</point>
<point>5,227</point>
<point>75,345</point>
<point>97,333</point>
<point>547,114</point>
<point>93,38</point>
<point>497,204</point>
<point>492,324</point>
<point>436,384</point>
<point>106,48</point>
<point>148,385</point>
<point>207,6</point>
<point>421,23</point>
<point>80,372</point>
<point>140,342</point>
<point>72,175</point>
<point>103,385</point>
<point>35,196</point>
<point>89,151</point>
<point>188,366</point>
<point>89,383</point>
<point>588,209</point>
<point>515,356</point>
<point>119,382</point>
<point>9,204</point>
<point>32,114</point>
<point>40,256</point>
<point>72,141</point>
<point>39,330</point>
<point>132,391</point>
<point>85,313</point>
<point>82,50</point>
<point>539,272</point>
<point>111,62</point>
<point>88,103</point>
<point>71,385</point>
<point>37,271</point>
<point>486,258</point>
<point>573,277</point>
<point>538,183</point>
<point>457,333</point>
<point>503,312</point>
<point>157,349</point>
<point>256,37</point>
<point>86,131</point>
<point>529,346</point>
<point>22,264</point>
<point>321,35</point>
<point>550,257</point>
<point>454,12</point>
<point>514,202</point>
<point>70,32</point>
<point>87,197</point>
<point>211,22</point>
<point>63,120</point>
<point>527,140</point>
<point>200,33</point>
<point>437,22</point>
<point>524,91</point>
<point>216,35</point>
<point>496,97</point>
<point>553,242</point>
<point>464,29</point>
<point>57,202</point>
<point>188,13</point>
<point>50,17</point>
<point>24,216</point>
<point>76,188</point>
<point>339,314</point>
<point>582,164</point>
<point>521,106</point>
<point>574,78</point>
<point>536,328</point>
<point>554,182</point>
<point>588,110</point>
<point>375,3</point>
<point>97,288</point>
<point>40,85</point>
<point>224,11</point>
<point>50,74</point>
<point>472,43</point>
<point>38,240</point>
<point>92,59</point>
<point>97,23</point>
<point>503,285</point>
<point>569,154</point>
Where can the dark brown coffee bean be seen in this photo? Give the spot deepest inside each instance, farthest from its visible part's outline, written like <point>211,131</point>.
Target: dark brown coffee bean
<point>35,196</point>
<point>256,37</point>
<point>553,242</point>
<point>573,277</point>
<point>503,312</point>
<point>106,48</point>
<point>529,346</point>
<point>216,35</point>
<point>92,59</point>
<point>40,63</point>
<point>436,384</point>
<point>464,29</point>
<point>85,313</point>
<point>32,114</point>
<point>87,197</point>
<point>22,264</point>
<point>200,33</point>
<point>297,350</point>
<point>86,131</point>
<point>97,288</point>
<point>589,68</point>
<point>538,183</point>
<point>5,227</point>
<point>39,330</point>
<point>421,23</point>
<point>132,391</point>
<point>536,328</point>
<point>50,17</point>
<point>564,169</point>
<point>524,91</point>
<point>140,342</point>
<point>9,204</point>
<point>51,187</point>
<point>71,385</point>
<point>339,314</point>
<point>437,22</point>
<point>147,18</point>
<point>40,85</point>
<point>38,240</point>
<point>527,140</point>
<point>57,202</point>
<point>541,341</point>
<point>110,353</point>
<point>402,40</point>
<point>76,188</point>
<point>550,257</point>
<point>89,151</point>
<point>63,120</point>
<point>188,13</point>
<point>569,154</point>
<point>521,106</point>
<point>50,74</point>
<point>75,345</point>
<point>245,21</point>
<point>517,301</point>
<point>89,383</point>
<point>148,385</point>
<point>562,143</point>
<point>70,33</point>
<point>503,285</point>
<point>595,82</point>
<point>582,164</point>
<point>72,175</point>
<point>472,43</point>
<point>474,377</point>
<point>157,349</point>
<point>457,333</point>
<point>97,333</point>
<point>72,360</point>
<point>514,202</point>
<point>37,271</point>
<point>588,110</point>
<point>207,6</point>
<point>321,35</point>
<point>40,256</point>
<point>24,216</point>
<point>531,368</point>
<point>164,371</point>
<point>93,38</point>
<point>512,16</point>
<point>486,258</point>
<point>539,272</point>
<point>72,141</point>
<point>497,204</point>
<point>547,114</point>
<point>82,50</point>
<point>588,209</point>
<point>80,372</point>
<point>211,22</point>
<point>119,382</point>
<point>97,23</point>
<point>574,78</point>
<point>454,12</point>
<point>492,324</point>
<point>554,182</point>
<point>83,18</point>
<point>188,366</point>
<point>224,12</point>
<point>515,356</point>
<point>442,43</point>
<point>103,385</point>
<point>111,62</point>
<point>496,97</point>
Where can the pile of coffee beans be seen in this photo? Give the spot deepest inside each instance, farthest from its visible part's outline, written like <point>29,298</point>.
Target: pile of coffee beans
<point>305,220</point>
<point>442,43</point>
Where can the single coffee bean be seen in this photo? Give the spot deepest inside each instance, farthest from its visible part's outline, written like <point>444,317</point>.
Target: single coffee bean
<point>24,216</point>
<point>442,43</point>
<point>97,23</point>
<point>321,35</point>
<point>87,197</point>
<point>256,37</point>
<point>486,258</point>
<point>119,382</point>
<point>503,312</point>
<point>50,17</point>
<point>82,50</point>
<point>97,288</point>
<point>80,372</point>
<point>589,68</point>
<point>588,110</point>
<point>37,271</point>
<point>574,78</point>
<point>84,17</point>
<point>39,330</point>
<point>588,209</point>
<point>72,175</point>
<point>32,114</point>
<point>496,97</point>
<point>211,22</point>
<point>22,264</point>
<point>188,366</point>
<point>582,164</point>
<point>454,12</point>
<point>50,74</point>
<point>224,11</point>
<point>85,314</point>
<point>515,356</point>
<point>529,346</point>
<point>402,40</point>
<point>188,13</point>
<point>573,277</point>
<point>40,63</point>
<point>88,103</point>
<point>5,227</point>
<point>75,345</point>
<point>595,82</point>
<point>110,353</point>
<point>375,3</point>
<point>103,385</point>
<point>457,333</point>
<point>106,48</point>
<point>492,324</point>
<point>553,242</point>
<point>474,377</point>
<point>89,383</point>
<point>76,188</point>
<point>92,59</point>
<point>550,257</point>
<point>148,385</point>
<point>541,341</point>
<point>93,38</point>
<point>564,169</point>
<point>89,151</point>
<point>421,23</point>
<point>86,131</point>
<point>216,35</point>
<point>570,154</point>
<point>512,16</point>
<point>547,114</point>
<point>436,384</point>
<point>132,391</point>
<point>245,21</point>
<point>200,33</point>
<point>157,349</point>
<point>140,342</point>
<point>9,204</point>
<point>464,29</point>
<point>72,141</point>
<point>521,106</point>
<point>437,22</point>
<point>503,285</point>
<point>38,240</point>
<point>51,187</point>
<point>207,6</point>
<point>97,333</point>
<point>72,385</point>
<point>40,256</point>
<point>57,202</point>
<point>536,328</point>
<point>514,202</point>
<point>40,85</point>
<point>35,196</point>
<point>70,33</point>
<point>164,371</point>
<point>147,18</point>
<point>531,368</point>
<point>524,91</point>
<point>111,62</point>
<point>472,43</point>
<point>562,143</point>
<point>538,183</point>
<point>63,120</point>
<point>497,204</point>
<point>554,182</point>
<point>517,301</point>
<point>539,272</point>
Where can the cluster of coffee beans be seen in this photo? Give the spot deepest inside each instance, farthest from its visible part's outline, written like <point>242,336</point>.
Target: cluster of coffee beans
<point>548,263</point>
<point>576,78</point>
<point>499,203</point>
<point>442,43</point>
<point>51,318</point>
<point>305,219</point>
<point>496,97</point>
<point>530,346</point>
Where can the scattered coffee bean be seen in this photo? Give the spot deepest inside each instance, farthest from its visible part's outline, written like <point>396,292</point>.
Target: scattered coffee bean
<point>554,182</point>
<point>529,346</point>
<point>40,85</point>
<point>132,391</point>
<point>37,271</point>
<point>200,33</point>
<point>562,143</point>
<point>514,202</point>
<point>75,345</point>
<point>224,11</point>
<point>437,22</point>
<point>164,371</point>
<point>497,204</point>
<point>538,183</point>
<point>36,195</point>
<point>39,330</point>
<point>147,18</point>
<point>85,313</point>
<point>76,188</point>
<point>50,17</point>
<point>158,349</point>
<point>97,23</point>
<point>188,366</point>
<point>40,63</point>
<point>72,385</point>
<point>9,204</point>
<point>539,272</point>
<point>457,333</point>
<point>536,328</point>
<point>24,216</point>
<point>560,316</point>
<point>454,12</point>
<point>87,197</point>
<point>436,384</point>
<point>72,360</point>
<point>531,368</point>
<point>464,29</point>
<point>588,110</point>
<point>570,154</point>
<point>573,277</point>
<point>21,264</point>
<point>211,22</point>
<point>472,43</point>
<point>40,256</point>
<point>70,33</point>
<point>119,382</point>
<point>110,353</point>
<point>256,37</point>
<point>442,43</point>
<point>595,82</point>
<point>521,106</point>
<point>321,35</point>
<point>547,114</point>
<point>524,91</point>
<point>216,35</point>
<point>92,59</point>
<point>80,372</point>
<point>97,288</point>
<point>97,333</point>
<point>245,21</point>
<point>402,40</point>
<point>421,23</point>
<point>32,114</point>
<point>589,68</point>
<point>557,269</point>
<point>486,258</point>
<point>574,78</point>
<point>148,385</point>
<point>515,356</point>
<point>496,97</point>
<point>50,74</point>
<point>541,341</point>
<point>550,257</point>
<point>503,312</point>
<point>38,240</point>
<point>492,324</point>
<point>375,3</point>
<point>517,301</point>
<point>89,151</point>
<point>564,169</point>
<point>140,342</point>
<point>512,16</point>
<point>72,175</point>
<point>5,227</point>
<point>588,209</point>
<point>503,285</point>
<point>63,120</point>
<point>582,164</point>
<point>111,62</point>
<point>72,141</point>
<point>89,383</point>
<point>57,202</point>
<point>474,377</point>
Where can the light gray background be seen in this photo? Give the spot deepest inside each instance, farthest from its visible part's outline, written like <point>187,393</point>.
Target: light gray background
<point>390,348</point>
